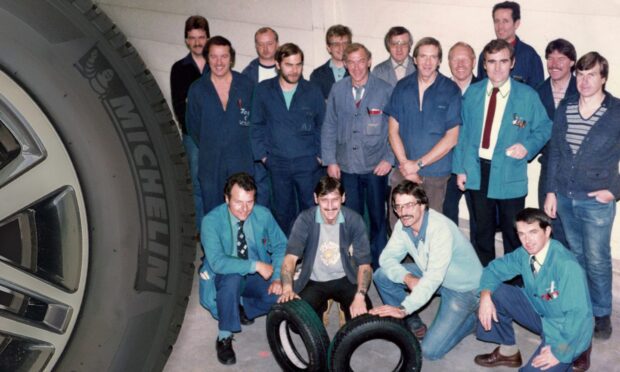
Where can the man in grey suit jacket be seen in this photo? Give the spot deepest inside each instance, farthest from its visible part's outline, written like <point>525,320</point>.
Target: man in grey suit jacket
<point>398,42</point>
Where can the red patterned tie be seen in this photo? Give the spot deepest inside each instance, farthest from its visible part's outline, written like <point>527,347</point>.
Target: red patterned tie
<point>488,123</point>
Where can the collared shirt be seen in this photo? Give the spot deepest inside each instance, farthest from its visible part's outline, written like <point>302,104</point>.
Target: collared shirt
<point>318,217</point>
<point>337,71</point>
<point>502,99</point>
<point>400,69</point>
<point>541,256</point>
<point>421,234</point>
<point>249,238</point>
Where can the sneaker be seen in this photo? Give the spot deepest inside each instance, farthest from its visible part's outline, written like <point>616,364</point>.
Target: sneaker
<point>416,325</point>
<point>602,327</point>
<point>225,352</point>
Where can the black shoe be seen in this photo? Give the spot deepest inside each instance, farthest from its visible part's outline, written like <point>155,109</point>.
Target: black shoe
<point>416,325</point>
<point>225,352</point>
<point>244,318</point>
<point>602,327</point>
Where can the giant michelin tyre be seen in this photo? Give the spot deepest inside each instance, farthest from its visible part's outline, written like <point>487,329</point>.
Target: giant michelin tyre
<point>366,328</point>
<point>296,319</point>
<point>95,209</point>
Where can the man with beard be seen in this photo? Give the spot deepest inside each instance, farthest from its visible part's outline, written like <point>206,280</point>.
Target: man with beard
<point>287,114</point>
<point>183,73</point>
<point>337,38</point>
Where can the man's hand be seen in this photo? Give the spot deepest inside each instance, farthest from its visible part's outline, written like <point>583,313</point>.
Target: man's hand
<point>517,151</point>
<point>382,168</point>
<point>461,179</point>
<point>408,167</point>
<point>388,310</point>
<point>358,306</point>
<point>551,205</point>
<point>265,270</point>
<point>486,311</point>
<point>545,359</point>
<point>411,281</point>
<point>602,196</point>
<point>275,288</point>
<point>333,170</point>
<point>287,295</point>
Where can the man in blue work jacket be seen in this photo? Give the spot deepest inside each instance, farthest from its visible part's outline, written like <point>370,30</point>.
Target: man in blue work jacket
<point>287,114</point>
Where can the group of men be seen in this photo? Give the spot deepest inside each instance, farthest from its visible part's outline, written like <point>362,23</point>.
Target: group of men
<point>408,135</point>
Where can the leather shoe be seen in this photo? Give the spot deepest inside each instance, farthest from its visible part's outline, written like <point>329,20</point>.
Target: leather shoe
<point>582,363</point>
<point>602,327</point>
<point>225,352</point>
<point>495,359</point>
<point>416,326</point>
<point>244,318</point>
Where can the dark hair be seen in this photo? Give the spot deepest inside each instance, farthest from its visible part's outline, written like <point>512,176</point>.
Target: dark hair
<point>221,41</point>
<point>354,47</point>
<point>495,46</point>
<point>515,7</point>
<point>338,30</point>
<point>196,22</point>
<point>427,41</point>
<point>532,215</point>
<point>327,185</point>
<point>396,31</point>
<point>287,50</point>
<point>264,30</point>
<point>407,187</point>
<point>242,179</point>
<point>589,60</point>
<point>564,47</point>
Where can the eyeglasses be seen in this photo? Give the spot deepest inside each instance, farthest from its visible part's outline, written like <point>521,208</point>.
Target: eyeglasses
<point>399,43</point>
<point>399,207</point>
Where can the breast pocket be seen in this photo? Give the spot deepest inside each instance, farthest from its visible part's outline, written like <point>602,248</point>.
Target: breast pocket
<point>306,122</point>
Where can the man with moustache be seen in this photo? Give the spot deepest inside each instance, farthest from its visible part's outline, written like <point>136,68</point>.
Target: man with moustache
<point>504,126</point>
<point>528,67</point>
<point>218,119</point>
<point>263,68</point>
<point>183,73</point>
<point>244,249</point>
<point>561,57</point>
<point>287,114</point>
<point>331,241</point>
<point>398,42</point>
<point>354,141</point>
<point>337,38</point>
<point>424,123</point>
<point>444,263</point>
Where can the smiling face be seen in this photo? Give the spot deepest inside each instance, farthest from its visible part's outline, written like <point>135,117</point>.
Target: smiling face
<point>196,40</point>
<point>559,66</point>
<point>329,205</point>
<point>336,46</point>
<point>409,210</point>
<point>461,63</point>
<point>241,202</point>
<point>399,46</point>
<point>357,64</point>
<point>532,236</point>
<point>427,61</point>
<point>219,60</point>
<point>498,66</point>
<point>505,27</point>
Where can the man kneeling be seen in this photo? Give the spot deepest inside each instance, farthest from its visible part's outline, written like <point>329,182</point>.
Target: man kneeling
<point>332,242</point>
<point>445,262</point>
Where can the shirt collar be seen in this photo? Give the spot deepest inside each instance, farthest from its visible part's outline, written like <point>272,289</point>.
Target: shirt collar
<point>542,254</point>
<point>333,66</point>
<point>395,64</point>
<point>504,89</point>
<point>422,233</point>
<point>318,218</point>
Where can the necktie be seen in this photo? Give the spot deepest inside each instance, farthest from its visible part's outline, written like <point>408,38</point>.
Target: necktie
<point>242,245</point>
<point>359,93</point>
<point>532,266</point>
<point>488,122</point>
<point>400,71</point>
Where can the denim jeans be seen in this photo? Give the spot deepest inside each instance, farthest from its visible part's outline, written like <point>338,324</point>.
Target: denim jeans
<point>587,225</point>
<point>369,188</point>
<point>192,157</point>
<point>455,319</point>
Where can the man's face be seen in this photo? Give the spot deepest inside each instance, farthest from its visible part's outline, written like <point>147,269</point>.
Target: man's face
<point>219,60</point>
<point>409,210</point>
<point>241,202</point>
<point>358,64</point>
<point>461,63</point>
<point>266,45</point>
<point>427,61</point>
<point>400,46</point>
<point>532,236</point>
<point>336,46</point>
<point>196,40</point>
<point>498,66</point>
<point>590,82</point>
<point>291,68</point>
<point>558,66</point>
<point>505,27</point>
<point>329,205</point>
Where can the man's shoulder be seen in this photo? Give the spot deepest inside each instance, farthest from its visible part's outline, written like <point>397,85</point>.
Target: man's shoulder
<point>383,66</point>
<point>378,83</point>
<point>321,70</point>
<point>307,87</point>
<point>544,87</point>
<point>261,214</point>
<point>522,90</point>
<point>251,66</point>
<point>524,47</point>
<point>447,85</point>
<point>242,80</point>
<point>217,214</point>
<point>181,63</point>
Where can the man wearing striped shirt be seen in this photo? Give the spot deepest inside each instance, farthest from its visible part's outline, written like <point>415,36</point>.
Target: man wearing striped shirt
<point>583,180</point>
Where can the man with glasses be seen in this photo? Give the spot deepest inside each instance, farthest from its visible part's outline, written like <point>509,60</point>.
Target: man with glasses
<point>444,263</point>
<point>398,42</point>
<point>337,38</point>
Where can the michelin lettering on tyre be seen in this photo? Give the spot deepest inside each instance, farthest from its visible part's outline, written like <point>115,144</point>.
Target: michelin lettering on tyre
<point>152,271</point>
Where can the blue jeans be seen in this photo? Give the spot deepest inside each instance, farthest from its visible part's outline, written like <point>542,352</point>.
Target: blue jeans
<point>587,225</point>
<point>371,189</point>
<point>192,157</point>
<point>512,305</point>
<point>455,319</point>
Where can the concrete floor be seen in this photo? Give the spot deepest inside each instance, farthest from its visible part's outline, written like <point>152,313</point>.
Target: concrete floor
<point>195,347</point>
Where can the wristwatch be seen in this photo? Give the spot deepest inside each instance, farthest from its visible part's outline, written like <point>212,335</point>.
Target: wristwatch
<point>402,308</point>
<point>420,163</point>
<point>362,292</point>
